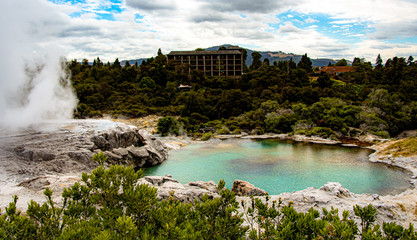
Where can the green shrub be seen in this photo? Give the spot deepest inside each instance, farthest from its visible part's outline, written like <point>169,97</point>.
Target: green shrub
<point>168,125</point>
<point>206,136</point>
<point>223,130</point>
<point>111,204</point>
<point>237,131</point>
<point>322,132</point>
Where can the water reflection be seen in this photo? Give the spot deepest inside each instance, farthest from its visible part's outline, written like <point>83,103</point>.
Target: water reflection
<point>282,167</point>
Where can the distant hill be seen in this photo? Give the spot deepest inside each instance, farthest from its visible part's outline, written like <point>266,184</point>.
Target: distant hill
<point>132,62</point>
<point>272,56</point>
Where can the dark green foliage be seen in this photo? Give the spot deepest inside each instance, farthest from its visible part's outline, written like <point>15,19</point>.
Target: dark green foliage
<point>273,220</point>
<point>341,62</point>
<point>168,125</point>
<point>256,61</point>
<point>380,100</point>
<point>305,63</point>
<point>324,81</point>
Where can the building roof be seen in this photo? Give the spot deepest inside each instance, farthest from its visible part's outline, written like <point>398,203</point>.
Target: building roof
<point>205,52</point>
<point>336,69</point>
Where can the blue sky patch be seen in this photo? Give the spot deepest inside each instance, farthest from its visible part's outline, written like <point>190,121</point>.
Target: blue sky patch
<point>139,18</point>
<point>347,31</point>
<point>104,10</point>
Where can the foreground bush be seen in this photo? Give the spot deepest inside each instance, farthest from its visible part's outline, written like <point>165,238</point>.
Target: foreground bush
<point>110,204</point>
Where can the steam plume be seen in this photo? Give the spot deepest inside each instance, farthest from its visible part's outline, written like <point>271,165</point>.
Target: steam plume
<point>34,83</point>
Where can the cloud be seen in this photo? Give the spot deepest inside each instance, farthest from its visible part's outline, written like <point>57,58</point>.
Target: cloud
<point>390,30</point>
<point>288,27</point>
<point>249,6</point>
<point>210,16</point>
<point>154,5</point>
<point>310,20</point>
<point>80,31</point>
<point>343,22</point>
<point>139,28</point>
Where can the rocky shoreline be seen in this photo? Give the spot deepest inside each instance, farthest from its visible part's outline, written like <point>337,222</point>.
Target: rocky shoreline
<point>400,208</point>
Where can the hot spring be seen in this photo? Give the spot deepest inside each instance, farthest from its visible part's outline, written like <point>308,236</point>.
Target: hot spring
<point>278,167</point>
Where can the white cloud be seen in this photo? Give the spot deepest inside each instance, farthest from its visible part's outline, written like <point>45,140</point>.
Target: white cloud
<point>249,6</point>
<point>154,5</point>
<point>310,20</point>
<point>289,27</point>
<point>188,24</point>
<point>343,22</point>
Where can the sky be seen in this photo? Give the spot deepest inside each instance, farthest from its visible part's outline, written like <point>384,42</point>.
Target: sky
<point>131,29</point>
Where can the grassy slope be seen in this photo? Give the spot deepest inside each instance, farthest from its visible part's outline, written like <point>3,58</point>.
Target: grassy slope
<point>404,147</point>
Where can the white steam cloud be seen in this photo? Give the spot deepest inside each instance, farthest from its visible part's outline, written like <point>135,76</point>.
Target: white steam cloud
<point>34,83</point>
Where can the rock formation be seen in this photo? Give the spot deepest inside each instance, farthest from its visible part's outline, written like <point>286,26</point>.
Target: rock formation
<point>68,147</point>
<point>243,188</point>
<point>169,187</point>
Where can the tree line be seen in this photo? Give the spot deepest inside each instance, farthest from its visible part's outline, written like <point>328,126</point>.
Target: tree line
<point>282,97</point>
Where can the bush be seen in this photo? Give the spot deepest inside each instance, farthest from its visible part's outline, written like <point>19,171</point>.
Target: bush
<point>223,130</point>
<point>206,136</point>
<point>168,125</point>
<point>323,132</point>
<point>111,204</point>
<point>237,131</point>
<point>274,220</point>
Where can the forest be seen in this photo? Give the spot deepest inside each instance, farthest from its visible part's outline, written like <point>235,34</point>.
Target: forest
<point>281,97</point>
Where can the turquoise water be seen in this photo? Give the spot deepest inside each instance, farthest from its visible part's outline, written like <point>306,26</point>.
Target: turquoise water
<point>282,167</point>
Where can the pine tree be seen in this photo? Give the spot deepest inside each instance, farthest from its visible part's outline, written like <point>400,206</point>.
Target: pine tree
<point>305,63</point>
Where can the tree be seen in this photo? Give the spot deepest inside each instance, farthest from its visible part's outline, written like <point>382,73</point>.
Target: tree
<point>379,61</point>
<point>256,61</point>
<point>245,56</point>
<point>147,82</point>
<point>116,64</point>
<point>324,81</point>
<point>305,63</point>
<point>410,61</point>
<point>168,125</point>
<point>356,61</point>
<point>341,62</point>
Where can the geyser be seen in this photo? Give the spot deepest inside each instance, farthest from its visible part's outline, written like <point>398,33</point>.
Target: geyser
<point>34,82</point>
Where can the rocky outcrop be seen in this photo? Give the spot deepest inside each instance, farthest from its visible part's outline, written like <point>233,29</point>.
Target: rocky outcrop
<point>68,147</point>
<point>168,187</point>
<point>336,189</point>
<point>133,147</point>
<point>243,188</point>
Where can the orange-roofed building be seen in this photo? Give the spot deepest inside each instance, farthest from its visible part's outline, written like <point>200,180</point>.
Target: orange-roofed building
<point>336,70</point>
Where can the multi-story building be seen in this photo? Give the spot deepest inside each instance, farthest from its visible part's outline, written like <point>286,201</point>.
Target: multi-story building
<point>227,62</point>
